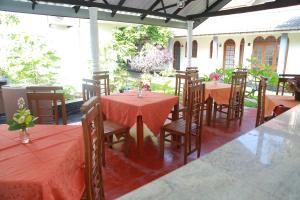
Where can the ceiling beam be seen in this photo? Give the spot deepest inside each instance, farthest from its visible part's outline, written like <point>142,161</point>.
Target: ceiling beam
<point>114,12</point>
<point>214,7</point>
<point>156,2</point>
<point>83,13</point>
<point>114,7</point>
<point>179,9</point>
<point>166,7</point>
<point>265,6</point>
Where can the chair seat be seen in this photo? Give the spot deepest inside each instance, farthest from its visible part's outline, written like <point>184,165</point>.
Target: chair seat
<point>178,126</point>
<point>111,128</point>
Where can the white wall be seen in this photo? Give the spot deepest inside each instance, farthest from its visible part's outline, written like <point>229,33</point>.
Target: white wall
<point>206,66</point>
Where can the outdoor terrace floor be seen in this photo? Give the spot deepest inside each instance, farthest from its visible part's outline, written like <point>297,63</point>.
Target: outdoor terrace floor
<point>122,175</point>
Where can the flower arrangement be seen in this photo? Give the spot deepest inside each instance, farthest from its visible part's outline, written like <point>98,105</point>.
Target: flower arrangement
<point>147,87</point>
<point>214,76</point>
<point>22,119</point>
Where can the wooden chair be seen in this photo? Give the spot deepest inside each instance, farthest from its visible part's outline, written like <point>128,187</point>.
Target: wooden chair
<point>100,73</point>
<point>194,73</point>
<point>52,89</point>
<point>181,90</point>
<point>260,115</point>
<point>39,106</point>
<point>103,83</point>
<point>188,127</point>
<point>92,125</point>
<point>90,88</point>
<point>282,81</point>
<point>235,108</point>
<point>110,128</point>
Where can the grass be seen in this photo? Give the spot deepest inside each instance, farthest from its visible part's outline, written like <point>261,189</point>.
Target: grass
<point>165,88</point>
<point>252,103</point>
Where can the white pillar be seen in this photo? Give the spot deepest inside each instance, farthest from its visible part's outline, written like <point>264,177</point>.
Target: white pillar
<point>215,52</point>
<point>282,53</point>
<point>189,42</point>
<point>93,12</point>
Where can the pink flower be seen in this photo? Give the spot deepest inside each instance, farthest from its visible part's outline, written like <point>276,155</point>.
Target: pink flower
<point>214,76</point>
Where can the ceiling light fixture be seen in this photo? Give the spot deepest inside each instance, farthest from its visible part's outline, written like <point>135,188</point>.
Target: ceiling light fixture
<point>180,3</point>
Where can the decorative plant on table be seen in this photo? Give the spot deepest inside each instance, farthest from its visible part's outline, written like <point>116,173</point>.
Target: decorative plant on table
<point>22,120</point>
<point>214,77</point>
<point>294,86</point>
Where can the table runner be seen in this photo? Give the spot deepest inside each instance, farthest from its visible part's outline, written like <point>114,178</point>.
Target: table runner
<point>153,107</point>
<point>50,167</point>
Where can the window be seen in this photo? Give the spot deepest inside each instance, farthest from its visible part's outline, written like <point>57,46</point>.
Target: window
<point>229,53</point>
<point>194,49</point>
<point>265,52</point>
<point>211,49</point>
<point>242,46</point>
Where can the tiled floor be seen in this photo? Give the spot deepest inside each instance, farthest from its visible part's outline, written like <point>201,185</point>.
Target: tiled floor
<point>122,175</point>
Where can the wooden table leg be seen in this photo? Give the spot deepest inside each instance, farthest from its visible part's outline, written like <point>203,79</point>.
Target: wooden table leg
<point>175,114</point>
<point>209,110</point>
<point>140,135</point>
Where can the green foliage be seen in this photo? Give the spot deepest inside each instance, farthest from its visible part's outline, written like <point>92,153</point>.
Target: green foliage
<point>226,74</point>
<point>165,88</point>
<point>130,40</point>
<point>167,72</point>
<point>26,59</point>
<point>121,79</point>
<point>69,91</point>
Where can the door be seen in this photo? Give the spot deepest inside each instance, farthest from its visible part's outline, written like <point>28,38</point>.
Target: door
<point>176,56</point>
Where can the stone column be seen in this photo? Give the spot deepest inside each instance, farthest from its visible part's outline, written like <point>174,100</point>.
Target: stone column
<point>93,12</point>
<point>215,52</point>
<point>189,42</point>
<point>282,53</point>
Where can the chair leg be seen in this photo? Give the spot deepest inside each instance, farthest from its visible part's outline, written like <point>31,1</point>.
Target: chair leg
<point>229,113</point>
<point>241,117</point>
<point>215,113</point>
<point>127,146</point>
<point>162,143</point>
<point>185,148</point>
<point>199,141</point>
<point>110,141</point>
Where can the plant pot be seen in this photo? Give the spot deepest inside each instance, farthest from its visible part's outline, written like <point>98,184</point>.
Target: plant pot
<point>297,96</point>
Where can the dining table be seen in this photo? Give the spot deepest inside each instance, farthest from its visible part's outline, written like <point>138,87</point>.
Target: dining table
<point>261,164</point>
<point>49,167</point>
<point>271,101</point>
<point>151,109</point>
<point>216,92</point>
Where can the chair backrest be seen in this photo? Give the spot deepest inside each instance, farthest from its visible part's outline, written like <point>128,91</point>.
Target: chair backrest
<point>278,110</point>
<point>282,81</point>
<point>100,73</point>
<point>103,83</point>
<point>46,114</point>
<point>237,92</point>
<point>191,68</point>
<point>195,107</point>
<point>90,88</point>
<point>181,89</point>
<point>92,125</point>
<point>47,89</point>
<point>260,115</point>
<point>194,73</point>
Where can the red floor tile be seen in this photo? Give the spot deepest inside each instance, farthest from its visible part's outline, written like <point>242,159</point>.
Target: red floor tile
<point>122,174</point>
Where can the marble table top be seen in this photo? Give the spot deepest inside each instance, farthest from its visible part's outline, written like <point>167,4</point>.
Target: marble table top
<point>261,164</point>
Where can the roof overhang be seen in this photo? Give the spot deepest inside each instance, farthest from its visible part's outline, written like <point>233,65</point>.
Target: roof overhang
<point>152,12</point>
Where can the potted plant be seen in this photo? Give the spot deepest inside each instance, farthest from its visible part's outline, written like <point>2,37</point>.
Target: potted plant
<point>294,86</point>
<point>22,120</point>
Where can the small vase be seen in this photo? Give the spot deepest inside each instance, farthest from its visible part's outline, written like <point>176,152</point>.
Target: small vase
<point>24,136</point>
<point>139,93</point>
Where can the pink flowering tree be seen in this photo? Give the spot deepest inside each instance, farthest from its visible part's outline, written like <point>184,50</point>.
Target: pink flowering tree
<point>152,58</point>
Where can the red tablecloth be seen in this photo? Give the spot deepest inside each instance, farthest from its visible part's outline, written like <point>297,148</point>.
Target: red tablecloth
<point>153,107</point>
<point>220,92</point>
<point>271,101</point>
<point>50,167</point>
